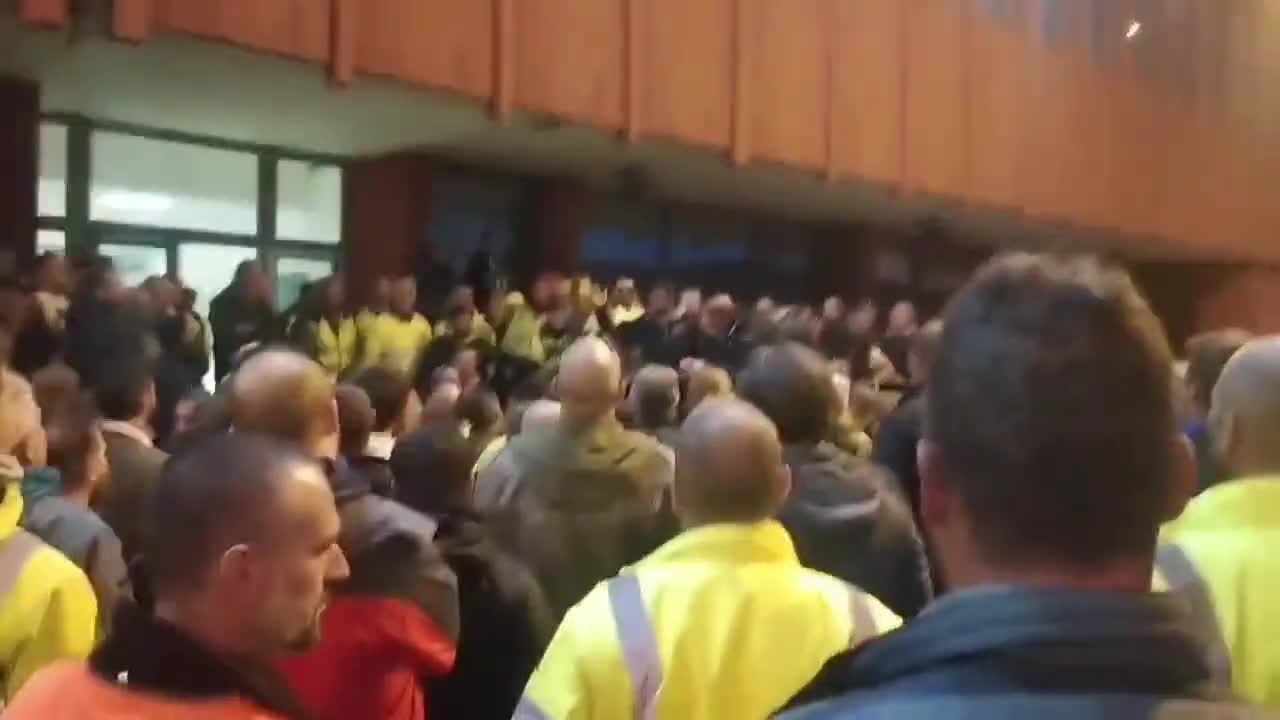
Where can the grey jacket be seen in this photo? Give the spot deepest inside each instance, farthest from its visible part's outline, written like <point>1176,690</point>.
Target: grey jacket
<point>78,532</point>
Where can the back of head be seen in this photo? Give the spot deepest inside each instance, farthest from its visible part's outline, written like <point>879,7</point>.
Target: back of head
<point>388,391</point>
<point>541,414</point>
<point>481,410</point>
<point>1245,410</point>
<point>208,499</point>
<point>729,465</point>
<point>1207,355</point>
<point>432,467</point>
<point>355,419</point>
<point>125,388</point>
<point>57,389</point>
<point>792,385</point>
<point>590,381</point>
<point>1049,416</point>
<point>285,395</point>
<point>705,382</point>
<point>655,393</point>
<point>76,447</point>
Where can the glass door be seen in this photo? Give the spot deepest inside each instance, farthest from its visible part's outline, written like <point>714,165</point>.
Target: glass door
<point>294,272</point>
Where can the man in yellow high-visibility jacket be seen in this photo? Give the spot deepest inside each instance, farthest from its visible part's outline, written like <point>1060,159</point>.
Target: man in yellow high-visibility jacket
<point>1221,553</point>
<point>722,621</point>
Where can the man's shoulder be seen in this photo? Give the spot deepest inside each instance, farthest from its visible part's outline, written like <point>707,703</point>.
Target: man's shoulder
<point>875,705</point>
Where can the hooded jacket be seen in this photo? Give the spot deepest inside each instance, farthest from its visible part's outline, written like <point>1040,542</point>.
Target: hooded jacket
<point>391,624</point>
<point>47,608</point>
<point>847,521</point>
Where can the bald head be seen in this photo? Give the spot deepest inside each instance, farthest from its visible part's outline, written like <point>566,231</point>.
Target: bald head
<point>729,465</point>
<point>1245,413</point>
<point>285,395</point>
<point>589,380</point>
<point>705,382</point>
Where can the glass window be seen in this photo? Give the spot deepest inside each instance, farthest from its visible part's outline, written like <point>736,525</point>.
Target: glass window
<point>135,263</point>
<point>310,202</point>
<point>51,188</point>
<point>159,183</point>
<point>623,239</point>
<point>208,268</point>
<point>469,214</point>
<point>292,273</point>
<point>51,241</point>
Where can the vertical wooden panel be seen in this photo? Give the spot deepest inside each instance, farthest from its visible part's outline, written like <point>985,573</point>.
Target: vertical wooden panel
<point>342,62</point>
<point>55,13</point>
<point>443,44</point>
<point>744,14</point>
<point>504,72</point>
<point>295,28</point>
<point>568,59</point>
<point>631,70</point>
<point>788,78</point>
<point>998,107</point>
<point>867,93</point>
<point>937,96</point>
<point>131,19</point>
<point>685,81</point>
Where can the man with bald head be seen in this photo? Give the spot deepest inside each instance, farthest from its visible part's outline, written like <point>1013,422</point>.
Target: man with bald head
<point>720,622</point>
<point>1221,552</point>
<point>579,500</point>
<point>395,621</point>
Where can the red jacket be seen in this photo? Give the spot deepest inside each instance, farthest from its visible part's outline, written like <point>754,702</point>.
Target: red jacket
<point>368,665</point>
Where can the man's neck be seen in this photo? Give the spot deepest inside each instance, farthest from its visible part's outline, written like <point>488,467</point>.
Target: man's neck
<point>80,496</point>
<point>199,623</point>
<point>1131,576</point>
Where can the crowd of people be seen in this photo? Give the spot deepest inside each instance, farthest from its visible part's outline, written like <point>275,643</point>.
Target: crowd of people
<point>579,503</point>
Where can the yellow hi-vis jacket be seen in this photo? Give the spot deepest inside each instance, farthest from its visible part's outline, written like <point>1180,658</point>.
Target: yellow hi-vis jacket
<point>721,622</point>
<point>48,611</point>
<point>1223,556</point>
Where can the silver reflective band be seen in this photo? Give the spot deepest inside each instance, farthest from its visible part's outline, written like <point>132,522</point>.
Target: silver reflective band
<point>864,623</point>
<point>638,641</point>
<point>529,710</point>
<point>1185,582</point>
<point>14,553</point>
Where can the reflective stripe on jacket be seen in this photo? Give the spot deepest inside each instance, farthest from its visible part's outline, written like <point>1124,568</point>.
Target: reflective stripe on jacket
<point>721,622</point>
<point>48,611</point>
<point>1221,556</point>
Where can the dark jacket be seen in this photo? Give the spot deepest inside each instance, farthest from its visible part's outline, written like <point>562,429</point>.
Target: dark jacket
<point>506,624</point>
<point>846,521</point>
<point>392,623</point>
<point>1017,652</point>
<point>895,447</point>
<point>578,505</point>
<point>135,470</point>
<point>101,333</point>
<point>376,472</point>
<point>158,661</point>
<point>235,323</point>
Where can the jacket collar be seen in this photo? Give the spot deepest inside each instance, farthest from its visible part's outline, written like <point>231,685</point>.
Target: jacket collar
<point>1076,639</point>
<point>129,430</point>
<point>154,656</point>
<point>380,445</point>
<point>730,544</point>
<point>1252,502</point>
